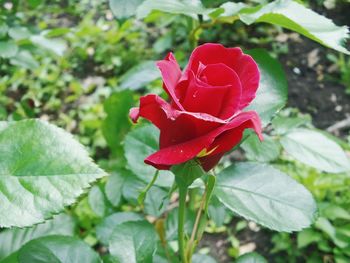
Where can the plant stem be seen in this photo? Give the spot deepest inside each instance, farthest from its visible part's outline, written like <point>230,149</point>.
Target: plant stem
<point>181,223</point>
<point>189,249</point>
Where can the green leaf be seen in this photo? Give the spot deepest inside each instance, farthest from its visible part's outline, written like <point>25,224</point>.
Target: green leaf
<point>307,237</point>
<point>133,242</point>
<point>186,173</point>
<point>42,169</point>
<point>315,149</point>
<point>57,249</point>
<point>24,59</point>
<point>19,33</point>
<point>140,143</point>
<point>56,46</point>
<point>8,48</point>
<point>154,201</point>
<point>114,188</point>
<point>296,17</point>
<point>183,7</point>
<point>266,151</point>
<point>12,239</point>
<point>263,194</point>
<point>139,76</point>
<point>57,32</point>
<point>172,220</point>
<point>283,124</point>
<point>3,29</point>
<point>117,123</point>
<point>124,9</point>
<point>105,229</point>
<point>272,92</point>
<point>200,258</point>
<point>97,201</point>
<point>217,211</point>
<point>251,257</point>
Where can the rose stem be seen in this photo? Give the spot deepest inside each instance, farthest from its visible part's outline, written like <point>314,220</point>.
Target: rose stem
<point>195,227</point>
<point>181,223</point>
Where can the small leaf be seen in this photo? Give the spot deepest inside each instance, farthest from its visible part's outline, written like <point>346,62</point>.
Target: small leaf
<point>57,32</point>
<point>315,149</point>
<point>117,123</point>
<point>113,188</point>
<point>24,59</point>
<point>12,239</point>
<point>251,257</point>
<point>266,151</point>
<point>97,201</point>
<point>267,196</point>
<point>296,17</point>
<point>140,143</point>
<point>272,92</point>
<point>57,249</point>
<point>185,7</point>
<point>56,46</point>
<point>186,173</point>
<point>217,211</point>
<point>124,9</point>
<point>104,230</point>
<point>154,201</point>
<point>8,49</point>
<point>139,76</point>
<point>19,33</point>
<point>133,242</point>
<point>42,169</point>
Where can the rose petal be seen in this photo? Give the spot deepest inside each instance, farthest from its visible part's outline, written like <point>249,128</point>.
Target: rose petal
<point>171,74</point>
<point>182,152</point>
<point>245,67</point>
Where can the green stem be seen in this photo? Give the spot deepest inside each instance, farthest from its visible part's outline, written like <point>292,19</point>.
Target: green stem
<point>181,223</point>
<point>142,195</point>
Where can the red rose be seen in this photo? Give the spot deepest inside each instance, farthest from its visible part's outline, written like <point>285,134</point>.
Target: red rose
<point>205,116</point>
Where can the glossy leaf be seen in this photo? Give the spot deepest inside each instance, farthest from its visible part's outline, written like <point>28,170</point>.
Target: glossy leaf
<point>57,249</point>
<point>251,257</point>
<point>139,76</point>
<point>117,123</point>
<point>186,7</point>
<point>156,202</point>
<point>296,17</point>
<point>272,92</point>
<point>8,49</point>
<point>57,46</point>
<point>315,149</point>
<point>138,144</point>
<point>133,242</point>
<point>97,201</point>
<point>114,188</point>
<point>200,258</point>
<point>24,59</point>
<point>13,239</point>
<point>265,151</point>
<point>124,9</point>
<point>263,194</point>
<point>42,169</point>
<point>105,229</point>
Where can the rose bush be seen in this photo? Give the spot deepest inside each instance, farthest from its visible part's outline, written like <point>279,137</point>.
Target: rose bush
<point>205,115</point>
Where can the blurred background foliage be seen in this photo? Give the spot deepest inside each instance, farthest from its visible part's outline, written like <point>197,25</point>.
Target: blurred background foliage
<point>74,64</point>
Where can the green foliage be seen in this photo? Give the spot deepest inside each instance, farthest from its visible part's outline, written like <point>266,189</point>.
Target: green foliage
<point>133,242</point>
<point>272,92</point>
<point>263,194</point>
<point>82,65</point>
<point>60,249</point>
<point>42,170</point>
<point>316,150</point>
